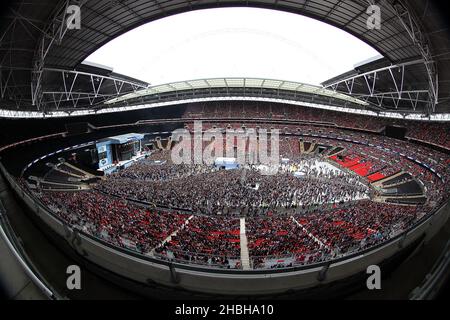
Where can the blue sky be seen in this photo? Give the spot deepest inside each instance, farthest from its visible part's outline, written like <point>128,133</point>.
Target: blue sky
<point>234,42</point>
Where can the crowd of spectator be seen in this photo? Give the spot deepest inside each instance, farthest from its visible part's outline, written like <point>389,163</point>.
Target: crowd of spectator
<point>307,237</point>
<point>305,213</point>
<point>325,234</point>
<point>435,133</point>
<point>278,237</point>
<point>115,220</point>
<point>359,226</point>
<point>212,241</point>
<point>245,190</point>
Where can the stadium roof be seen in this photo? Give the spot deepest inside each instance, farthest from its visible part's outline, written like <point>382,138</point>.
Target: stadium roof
<point>35,41</point>
<point>254,83</point>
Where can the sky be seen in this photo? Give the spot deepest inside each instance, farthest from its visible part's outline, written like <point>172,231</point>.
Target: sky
<point>233,42</point>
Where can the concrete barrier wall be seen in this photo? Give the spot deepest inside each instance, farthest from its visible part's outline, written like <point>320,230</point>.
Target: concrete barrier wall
<point>133,266</point>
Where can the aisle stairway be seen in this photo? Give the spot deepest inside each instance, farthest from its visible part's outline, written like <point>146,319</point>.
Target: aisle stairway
<point>245,256</point>
<point>173,234</point>
<point>302,146</point>
<point>169,144</point>
<point>71,167</point>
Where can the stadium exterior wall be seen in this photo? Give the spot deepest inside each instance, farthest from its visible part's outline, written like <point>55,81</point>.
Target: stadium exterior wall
<point>216,281</point>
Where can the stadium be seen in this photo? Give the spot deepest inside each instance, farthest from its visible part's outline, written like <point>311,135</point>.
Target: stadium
<point>223,187</point>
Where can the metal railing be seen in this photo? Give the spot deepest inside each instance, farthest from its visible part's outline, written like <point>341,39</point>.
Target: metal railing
<point>17,251</point>
<point>435,279</point>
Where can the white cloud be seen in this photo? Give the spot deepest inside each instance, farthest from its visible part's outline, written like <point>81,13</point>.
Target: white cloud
<point>234,42</point>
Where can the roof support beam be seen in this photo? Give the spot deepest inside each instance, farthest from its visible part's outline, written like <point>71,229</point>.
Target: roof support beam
<point>75,83</point>
<point>420,40</point>
<point>370,80</point>
<point>54,33</point>
<point>4,83</point>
